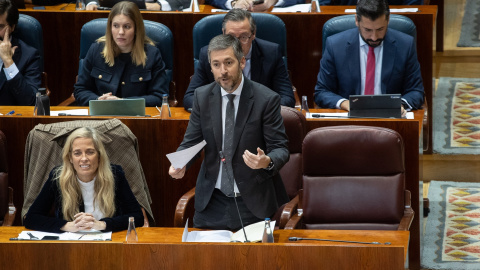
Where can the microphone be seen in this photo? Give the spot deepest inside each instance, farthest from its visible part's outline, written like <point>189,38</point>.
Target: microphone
<point>230,178</point>
<point>293,239</point>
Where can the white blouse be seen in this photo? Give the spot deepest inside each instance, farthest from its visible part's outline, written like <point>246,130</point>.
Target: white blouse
<point>88,194</point>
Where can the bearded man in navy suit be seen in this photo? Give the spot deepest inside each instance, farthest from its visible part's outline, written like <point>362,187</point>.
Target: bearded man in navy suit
<point>343,68</point>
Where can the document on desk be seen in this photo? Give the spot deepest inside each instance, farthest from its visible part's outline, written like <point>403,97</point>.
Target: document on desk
<point>66,236</point>
<point>70,112</point>
<point>254,234</point>
<point>301,8</point>
<point>392,10</point>
<point>181,158</point>
<point>219,10</point>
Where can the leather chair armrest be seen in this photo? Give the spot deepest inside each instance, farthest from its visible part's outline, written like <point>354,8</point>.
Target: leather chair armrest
<point>67,102</point>
<point>10,215</point>
<point>288,211</point>
<point>425,127</point>
<point>146,223</point>
<point>298,102</point>
<point>294,222</point>
<point>44,83</point>
<point>179,219</point>
<point>173,102</point>
<point>408,213</point>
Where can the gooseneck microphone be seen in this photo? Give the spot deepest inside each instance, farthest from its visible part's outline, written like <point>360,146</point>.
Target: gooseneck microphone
<point>332,240</point>
<point>230,178</point>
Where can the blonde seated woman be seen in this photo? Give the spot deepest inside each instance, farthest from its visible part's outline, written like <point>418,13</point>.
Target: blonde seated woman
<point>125,63</point>
<point>86,191</point>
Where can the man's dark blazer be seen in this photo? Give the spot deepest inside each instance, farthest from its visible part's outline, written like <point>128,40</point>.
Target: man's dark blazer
<point>97,78</point>
<point>221,3</point>
<point>354,2</point>
<point>267,68</point>
<point>258,124</point>
<point>339,75</point>
<point>22,88</point>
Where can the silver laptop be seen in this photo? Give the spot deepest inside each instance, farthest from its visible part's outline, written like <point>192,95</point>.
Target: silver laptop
<point>375,106</point>
<point>119,107</point>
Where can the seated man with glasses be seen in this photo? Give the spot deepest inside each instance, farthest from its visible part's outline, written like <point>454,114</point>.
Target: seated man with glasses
<point>264,60</point>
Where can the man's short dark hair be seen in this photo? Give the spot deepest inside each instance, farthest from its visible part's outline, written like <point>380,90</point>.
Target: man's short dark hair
<point>6,6</point>
<point>372,9</point>
<point>223,42</point>
<point>239,15</point>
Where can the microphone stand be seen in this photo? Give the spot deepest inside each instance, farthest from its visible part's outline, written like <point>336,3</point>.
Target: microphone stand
<point>230,178</point>
<point>343,241</point>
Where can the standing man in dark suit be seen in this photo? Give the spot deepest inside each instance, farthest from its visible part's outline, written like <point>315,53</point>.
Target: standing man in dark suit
<point>246,144</point>
<point>369,60</point>
<point>264,63</point>
<point>20,75</point>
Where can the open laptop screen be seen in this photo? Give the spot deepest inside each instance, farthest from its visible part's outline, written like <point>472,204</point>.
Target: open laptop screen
<point>119,107</point>
<point>377,106</point>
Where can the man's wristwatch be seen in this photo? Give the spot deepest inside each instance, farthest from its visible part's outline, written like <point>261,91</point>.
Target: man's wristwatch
<point>270,166</point>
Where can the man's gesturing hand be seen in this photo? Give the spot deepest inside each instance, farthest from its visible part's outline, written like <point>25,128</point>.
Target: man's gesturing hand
<point>258,161</point>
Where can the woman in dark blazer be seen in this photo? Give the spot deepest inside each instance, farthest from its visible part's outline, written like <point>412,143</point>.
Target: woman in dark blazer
<point>86,192</point>
<point>124,63</point>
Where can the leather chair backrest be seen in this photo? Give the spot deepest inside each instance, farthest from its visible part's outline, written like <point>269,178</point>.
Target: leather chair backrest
<point>159,33</point>
<point>296,128</point>
<point>29,30</point>
<point>269,27</point>
<point>3,177</point>
<point>353,178</point>
<point>341,23</point>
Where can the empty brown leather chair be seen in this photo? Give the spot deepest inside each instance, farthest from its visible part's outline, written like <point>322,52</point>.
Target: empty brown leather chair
<point>295,127</point>
<point>292,174</point>
<point>353,179</point>
<point>7,209</point>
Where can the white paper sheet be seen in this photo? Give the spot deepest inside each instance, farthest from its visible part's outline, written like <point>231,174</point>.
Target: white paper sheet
<point>70,112</point>
<point>392,10</point>
<point>303,8</point>
<point>254,234</point>
<point>181,158</point>
<point>67,236</point>
<point>219,10</point>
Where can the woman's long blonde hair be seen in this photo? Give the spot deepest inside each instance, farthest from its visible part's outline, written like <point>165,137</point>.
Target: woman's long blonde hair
<point>70,189</point>
<point>111,50</point>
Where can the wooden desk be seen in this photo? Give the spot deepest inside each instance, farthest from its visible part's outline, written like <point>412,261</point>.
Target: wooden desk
<point>157,137</point>
<point>61,31</point>
<point>161,248</point>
